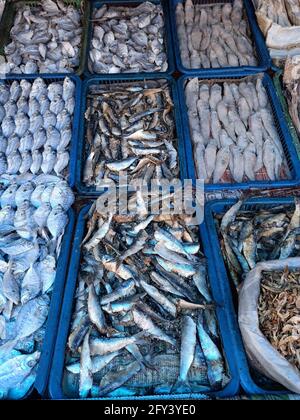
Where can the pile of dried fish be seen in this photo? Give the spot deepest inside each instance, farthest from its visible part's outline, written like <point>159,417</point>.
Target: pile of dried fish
<point>45,38</point>
<point>249,237</point>
<point>285,13</point>
<point>279,312</point>
<point>291,81</point>
<point>144,321</point>
<point>36,126</point>
<point>233,131</point>
<point>32,222</point>
<point>214,35</point>
<point>130,127</point>
<point>279,21</point>
<point>128,39</point>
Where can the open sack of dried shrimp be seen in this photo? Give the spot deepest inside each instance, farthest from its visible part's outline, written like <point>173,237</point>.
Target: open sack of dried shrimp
<point>269,320</point>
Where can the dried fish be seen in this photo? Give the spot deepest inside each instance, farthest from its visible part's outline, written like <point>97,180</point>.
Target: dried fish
<point>279,20</point>
<point>129,129</point>
<point>128,39</point>
<point>291,81</point>
<point>214,36</point>
<point>233,132</point>
<point>44,38</point>
<point>36,139</point>
<point>248,238</point>
<point>29,254</point>
<point>138,310</point>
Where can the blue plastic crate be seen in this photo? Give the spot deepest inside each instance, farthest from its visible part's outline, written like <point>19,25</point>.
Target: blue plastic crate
<point>118,79</point>
<point>221,276</point>
<point>224,320</point>
<point>50,78</point>
<point>55,307</point>
<point>41,381</point>
<point>282,129</point>
<point>262,53</point>
<point>132,3</point>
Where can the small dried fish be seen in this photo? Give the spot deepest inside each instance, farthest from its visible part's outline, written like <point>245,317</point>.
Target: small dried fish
<point>44,38</point>
<point>248,238</point>
<point>128,39</point>
<point>129,129</point>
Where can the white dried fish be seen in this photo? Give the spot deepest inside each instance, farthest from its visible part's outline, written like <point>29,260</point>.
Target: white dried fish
<point>28,261</point>
<point>279,21</point>
<point>291,82</point>
<point>234,131</point>
<point>212,36</point>
<point>128,39</point>
<point>44,39</point>
<point>29,127</point>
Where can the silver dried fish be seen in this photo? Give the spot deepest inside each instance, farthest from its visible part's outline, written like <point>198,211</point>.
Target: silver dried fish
<point>29,252</point>
<point>128,39</point>
<point>45,38</point>
<point>152,313</point>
